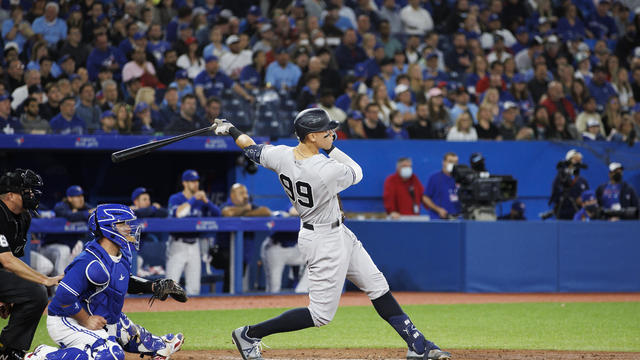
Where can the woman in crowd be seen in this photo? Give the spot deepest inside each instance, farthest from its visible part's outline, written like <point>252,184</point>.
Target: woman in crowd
<point>386,105</point>
<point>492,101</point>
<point>192,60</point>
<point>560,129</point>
<point>612,115</point>
<point>123,118</point>
<point>438,113</point>
<point>621,85</point>
<point>463,130</point>
<point>578,95</point>
<point>485,128</point>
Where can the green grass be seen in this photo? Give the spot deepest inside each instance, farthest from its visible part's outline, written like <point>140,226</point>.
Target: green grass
<point>570,326</point>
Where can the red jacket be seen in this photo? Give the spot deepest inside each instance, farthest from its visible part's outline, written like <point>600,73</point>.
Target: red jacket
<point>396,195</point>
<point>552,108</point>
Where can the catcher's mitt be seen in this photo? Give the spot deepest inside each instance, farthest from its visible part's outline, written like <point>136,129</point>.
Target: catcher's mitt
<point>166,287</point>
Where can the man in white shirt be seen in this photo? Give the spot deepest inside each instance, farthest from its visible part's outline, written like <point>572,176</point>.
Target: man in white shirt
<point>233,61</point>
<point>416,20</point>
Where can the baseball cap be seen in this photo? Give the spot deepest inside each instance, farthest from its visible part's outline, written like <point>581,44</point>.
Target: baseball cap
<point>593,122</point>
<point>210,57</point>
<point>518,206</point>
<point>11,45</point>
<point>63,58</point>
<point>521,30</point>
<point>542,20</point>
<point>190,175</point>
<point>588,195</point>
<point>400,89</point>
<point>432,55</point>
<point>190,40</point>
<point>141,107</point>
<point>434,91</point>
<point>494,17</point>
<point>615,166</point>
<point>281,50</point>
<point>355,114</point>
<point>75,8</point>
<point>137,192</point>
<point>181,74</point>
<point>254,10</point>
<point>108,113</point>
<point>552,39</point>
<point>199,11</point>
<point>183,26</point>
<point>74,190</point>
<point>580,57</point>
<point>139,35</point>
<point>4,97</point>
<point>571,153</point>
<point>519,78</point>
<point>509,105</point>
<point>265,27</point>
<point>232,39</point>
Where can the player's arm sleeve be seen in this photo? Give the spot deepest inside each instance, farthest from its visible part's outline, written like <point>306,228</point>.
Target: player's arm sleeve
<point>139,285</point>
<point>213,209</point>
<point>265,155</point>
<point>336,176</point>
<point>344,159</point>
<point>77,280</point>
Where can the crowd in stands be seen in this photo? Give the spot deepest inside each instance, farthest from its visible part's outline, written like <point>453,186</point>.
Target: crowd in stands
<point>460,70</point>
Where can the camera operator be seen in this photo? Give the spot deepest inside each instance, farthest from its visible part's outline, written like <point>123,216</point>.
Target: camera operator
<point>617,194</point>
<point>21,287</point>
<point>568,186</point>
<point>516,213</point>
<point>590,209</point>
<point>441,194</point>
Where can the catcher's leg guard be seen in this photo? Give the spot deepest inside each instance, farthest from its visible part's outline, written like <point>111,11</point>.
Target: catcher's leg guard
<point>106,350</point>
<point>136,339</point>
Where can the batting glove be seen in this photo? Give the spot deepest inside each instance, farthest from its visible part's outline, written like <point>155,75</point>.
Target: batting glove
<point>222,127</point>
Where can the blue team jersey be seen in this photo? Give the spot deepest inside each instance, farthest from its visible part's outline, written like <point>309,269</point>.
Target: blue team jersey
<point>611,195</point>
<point>60,125</point>
<point>213,86</point>
<point>95,282</point>
<point>582,215</point>
<point>198,209</point>
<point>443,191</point>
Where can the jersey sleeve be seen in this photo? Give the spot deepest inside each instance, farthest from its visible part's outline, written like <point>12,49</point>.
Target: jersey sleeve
<point>269,156</point>
<point>336,176</point>
<point>74,283</point>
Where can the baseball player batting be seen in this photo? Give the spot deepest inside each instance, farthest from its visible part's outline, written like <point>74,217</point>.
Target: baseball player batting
<point>312,182</point>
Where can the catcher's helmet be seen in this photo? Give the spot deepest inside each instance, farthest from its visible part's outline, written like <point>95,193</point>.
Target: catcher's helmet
<point>313,120</point>
<point>117,223</point>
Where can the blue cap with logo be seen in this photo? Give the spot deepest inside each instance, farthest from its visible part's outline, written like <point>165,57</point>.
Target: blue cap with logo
<point>518,206</point>
<point>181,74</point>
<point>4,97</point>
<point>190,175</point>
<point>254,10</point>
<point>108,113</point>
<point>74,190</point>
<point>210,57</point>
<point>137,192</point>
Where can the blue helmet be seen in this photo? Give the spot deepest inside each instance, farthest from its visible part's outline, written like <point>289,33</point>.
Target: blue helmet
<point>117,223</point>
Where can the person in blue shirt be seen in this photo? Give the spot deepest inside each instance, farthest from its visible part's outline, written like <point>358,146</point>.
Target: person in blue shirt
<point>66,122</point>
<point>252,76</point>
<point>50,26</point>
<point>600,88</point>
<point>211,82</point>
<point>590,209</point>
<point>108,124</point>
<point>617,194</point>
<point>14,28</point>
<point>349,53</point>
<point>441,193</point>
<point>396,130</point>
<point>105,55</point>
<point>86,311</point>
<point>183,250</point>
<point>156,45</point>
<point>601,24</point>
<point>58,247</point>
<point>282,74</point>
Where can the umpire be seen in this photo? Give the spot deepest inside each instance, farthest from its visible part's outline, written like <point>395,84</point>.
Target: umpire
<point>22,289</point>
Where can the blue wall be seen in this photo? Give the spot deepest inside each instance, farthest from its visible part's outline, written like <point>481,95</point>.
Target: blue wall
<point>531,163</point>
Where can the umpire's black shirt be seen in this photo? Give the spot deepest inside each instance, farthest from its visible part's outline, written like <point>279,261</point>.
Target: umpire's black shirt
<point>13,230</point>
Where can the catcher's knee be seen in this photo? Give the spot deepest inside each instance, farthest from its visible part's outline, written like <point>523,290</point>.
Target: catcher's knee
<point>107,350</point>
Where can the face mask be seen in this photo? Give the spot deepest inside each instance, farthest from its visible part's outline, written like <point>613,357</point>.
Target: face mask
<point>617,177</point>
<point>449,167</point>
<point>319,42</point>
<point>406,172</point>
<point>304,42</point>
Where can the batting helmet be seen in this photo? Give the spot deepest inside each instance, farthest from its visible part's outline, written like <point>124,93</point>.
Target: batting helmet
<point>313,120</point>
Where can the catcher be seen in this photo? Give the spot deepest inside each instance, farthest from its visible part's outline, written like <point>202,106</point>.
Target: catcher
<point>85,317</point>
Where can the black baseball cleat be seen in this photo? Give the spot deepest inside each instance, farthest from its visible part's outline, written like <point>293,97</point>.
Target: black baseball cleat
<point>12,354</point>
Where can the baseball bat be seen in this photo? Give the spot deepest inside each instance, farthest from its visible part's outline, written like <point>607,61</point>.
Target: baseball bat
<point>139,150</point>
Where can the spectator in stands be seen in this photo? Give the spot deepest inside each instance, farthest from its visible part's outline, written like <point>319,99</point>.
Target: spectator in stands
<point>104,55</point>
<point>213,110</point>
<point>110,94</point>
<point>415,19</point>
<point>538,85</point>
<point>402,194</point>
<point>396,129</point>
<point>624,132</point>
<point>620,83</point>
<point>612,116</point>
<point>52,107</point>
<point>309,94</point>
<point>282,74</point>
<point>600,88</point>
<point>142,121</point>
<point>578,95</point>
<point>67,122</point>
<point>516,213</point>
<point>508,128</point>
<point>86,109</point>
<point>593,131</point>
<point>182,84</point>
<point>557,101</point>
<point>123,118</point>
<point>168,70</point>
<point>188,119</point>
<point>233,61</point>
<point>421,128</point>
<point>385,104</point>
<point>143,207</point>
<point>567,187</point>
<point>589,114</point>
<point>327,102</point>
<point>439,115</point>
<point>52,28</point>
<point>77,50</point>
<point>8,123</point>
<point>617,194</point>
<point>349,53</point>
<point>485,128</point>
<point>14,77</point>
<point>139,67</point>
<point>601,24</point>
<point>441,194</point>
<point>463,130</point>
<point>373,127</point>
<point>388,41</point>
<point>560,129</point>
<point>540,123</point>
<point>183,250</point>
<point>458,60</point>
<point>252,75</point>
<point>590,209</point>
<point>62,248</point>
<point>30,120</point>
<point>463,104</point>
<point>192,61</point>
<point>404,103</point>
<point>20,94</point>
<point>16,29</point>
<point>211,82</point>
<point>108,124</point>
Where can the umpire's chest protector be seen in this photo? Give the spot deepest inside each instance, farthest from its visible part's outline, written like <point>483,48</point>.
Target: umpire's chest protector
<point>109,281</point>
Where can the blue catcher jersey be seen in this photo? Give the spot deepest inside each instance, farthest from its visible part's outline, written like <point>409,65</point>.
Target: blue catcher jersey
<point>95,282</point>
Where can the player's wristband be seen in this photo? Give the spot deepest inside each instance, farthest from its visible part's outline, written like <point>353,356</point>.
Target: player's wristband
<point>235,133</point>
<point>330,149</point>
